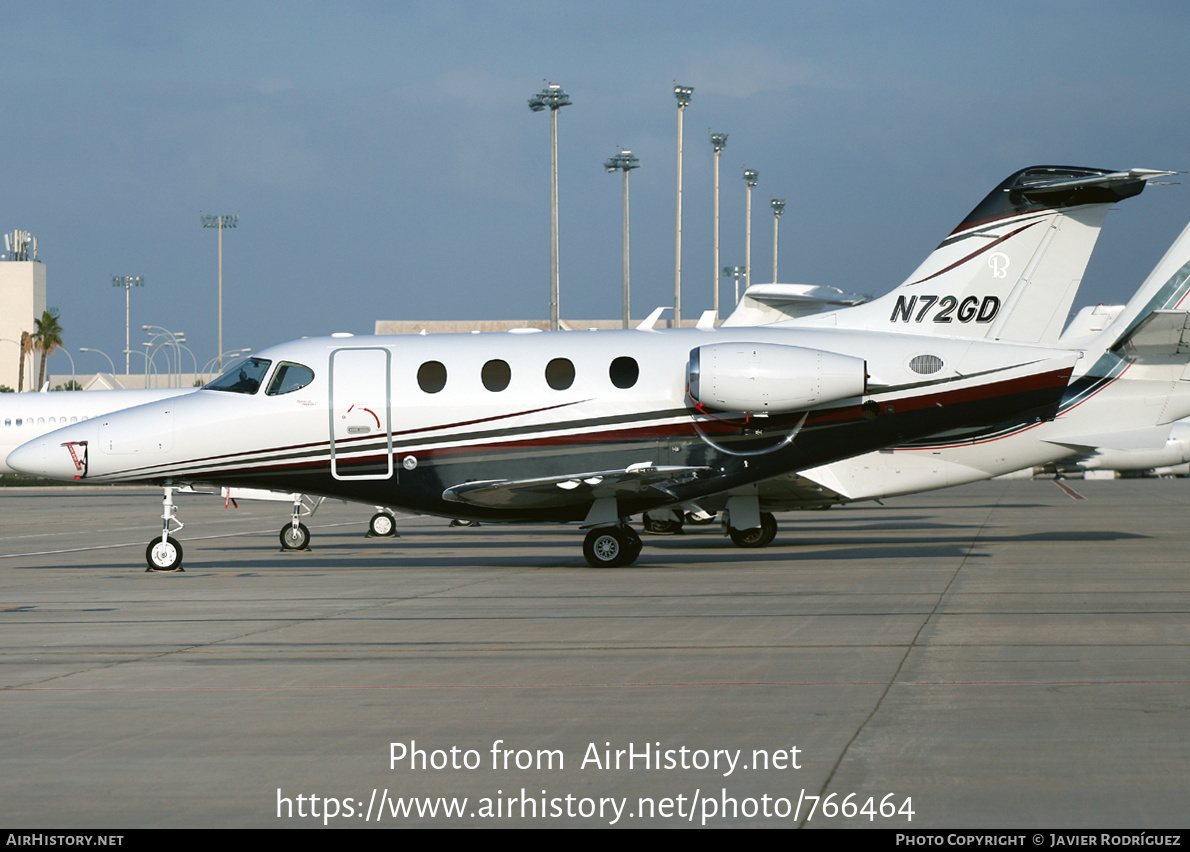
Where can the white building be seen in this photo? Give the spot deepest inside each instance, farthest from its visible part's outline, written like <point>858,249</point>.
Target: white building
<point>22,299</point>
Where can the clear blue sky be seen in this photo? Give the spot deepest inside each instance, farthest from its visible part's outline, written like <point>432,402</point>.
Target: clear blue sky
<point>385,164</point>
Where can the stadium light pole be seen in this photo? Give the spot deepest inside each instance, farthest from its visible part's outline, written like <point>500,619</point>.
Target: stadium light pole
<point>718,142</point>
<point>736,272</point>
<point>127,282</point>
<point>751,177</point>
<point>220,222</point>
<point>778,209</point>
<point>624,161</point>
<point>553,97</point>
<point>683,95</point>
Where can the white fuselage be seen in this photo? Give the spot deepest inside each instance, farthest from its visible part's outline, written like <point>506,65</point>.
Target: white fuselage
<point>421,423</point>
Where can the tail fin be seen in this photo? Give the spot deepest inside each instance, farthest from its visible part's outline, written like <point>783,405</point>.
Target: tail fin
<point>1011,269</point>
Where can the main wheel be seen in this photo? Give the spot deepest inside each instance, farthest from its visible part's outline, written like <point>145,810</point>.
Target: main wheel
<point>295,538</point>
<point>635,545</point>
<point>382,524</point>
<point>164,556</point>
<point>668,526</point>
<point>761,536</point>
<point>608,547</point>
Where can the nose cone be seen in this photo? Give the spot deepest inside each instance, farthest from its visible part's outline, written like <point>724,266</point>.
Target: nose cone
<point>51,459</point>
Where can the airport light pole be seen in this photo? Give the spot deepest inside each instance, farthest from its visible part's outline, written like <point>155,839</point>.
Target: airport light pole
<point>624,161</point>
<point>736,272</point>
<point>109,361</point>
<point>778,209</point>
<point>683,95</point>
<point>220,222</point>
<point>175,338</point>
<point>751,177</point>
<point>127,282</point>
<point>553,97</point>
<point>718,142</point>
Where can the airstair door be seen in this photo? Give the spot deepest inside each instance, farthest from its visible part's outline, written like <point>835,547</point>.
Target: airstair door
<point>360,406</point>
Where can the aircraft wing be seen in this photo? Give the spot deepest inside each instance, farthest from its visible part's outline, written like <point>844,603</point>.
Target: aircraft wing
<point>570,489</point>
<point>1149,438</point>
<point>1161,337</point>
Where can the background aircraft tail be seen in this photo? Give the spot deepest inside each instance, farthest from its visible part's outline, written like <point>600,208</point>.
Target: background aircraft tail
<point>1011,269</point>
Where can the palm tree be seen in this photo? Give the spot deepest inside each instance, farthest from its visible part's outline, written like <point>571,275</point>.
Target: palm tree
<point>48,337</point>
<point>26,348</point>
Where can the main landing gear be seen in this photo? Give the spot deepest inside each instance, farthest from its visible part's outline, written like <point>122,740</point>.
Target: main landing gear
<point>164,553</point>
<point>761,536</point>
<point>611,547</point>
<point>383,525</point>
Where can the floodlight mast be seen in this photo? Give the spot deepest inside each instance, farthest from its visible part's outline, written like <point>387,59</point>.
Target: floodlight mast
<point>127,282</point>
<point>718,142</point>
<point>625,162</point>
<point>553,97</point>
<point>683,95</point>
<point>220,222</point>
<point>778,209</point>
<point>736,272</point>
<point>751,177</point>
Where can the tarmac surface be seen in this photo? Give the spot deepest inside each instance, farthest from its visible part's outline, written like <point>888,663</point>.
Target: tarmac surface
<point>1002,655</point>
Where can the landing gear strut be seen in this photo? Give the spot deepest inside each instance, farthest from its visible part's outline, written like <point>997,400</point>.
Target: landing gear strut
<point>611,547</point>
<point>164,553</point>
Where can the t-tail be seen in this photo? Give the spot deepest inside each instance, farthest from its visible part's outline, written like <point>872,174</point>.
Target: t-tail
<point>1011,269</point>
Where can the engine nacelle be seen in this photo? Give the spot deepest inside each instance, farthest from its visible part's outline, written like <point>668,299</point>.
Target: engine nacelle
<point>771,378</point>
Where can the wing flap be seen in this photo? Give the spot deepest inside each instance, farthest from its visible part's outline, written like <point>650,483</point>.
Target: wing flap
<point>570,489</point>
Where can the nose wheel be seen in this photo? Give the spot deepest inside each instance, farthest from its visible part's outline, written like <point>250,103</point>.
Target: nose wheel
<point>295,536</point>
<point>164,553</point>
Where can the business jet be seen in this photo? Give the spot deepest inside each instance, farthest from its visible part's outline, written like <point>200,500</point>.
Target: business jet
<point>25,416</point>
<point>600,427</point>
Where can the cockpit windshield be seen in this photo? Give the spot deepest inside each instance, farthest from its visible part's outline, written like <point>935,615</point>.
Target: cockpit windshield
<point>244,377</point>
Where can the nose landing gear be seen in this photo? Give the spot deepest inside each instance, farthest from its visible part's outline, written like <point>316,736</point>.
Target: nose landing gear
<point>164,553</point>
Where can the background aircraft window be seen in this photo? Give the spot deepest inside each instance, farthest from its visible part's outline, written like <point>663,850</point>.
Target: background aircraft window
<point>244,377</point>
<point>624,372</point>
<point>559,373</point>
<point>431,376</point>
<point>496,375</point>
<point>289,377</point>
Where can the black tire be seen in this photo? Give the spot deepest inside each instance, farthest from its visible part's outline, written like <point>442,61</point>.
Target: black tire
<point>665,527</point>
<point>295,539</point>
<point>607,547</point>
<point>635,545</point>
<point>382,525</point>
<point>761,536</point>
<point>165,556</point>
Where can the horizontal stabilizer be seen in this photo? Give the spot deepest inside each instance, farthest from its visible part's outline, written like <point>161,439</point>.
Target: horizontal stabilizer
<point>1161,337</point>
<point>569,489</point>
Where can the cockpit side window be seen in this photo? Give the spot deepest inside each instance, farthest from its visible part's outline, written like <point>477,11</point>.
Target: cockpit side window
<point>289,377</point>
<point>244,377</point>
